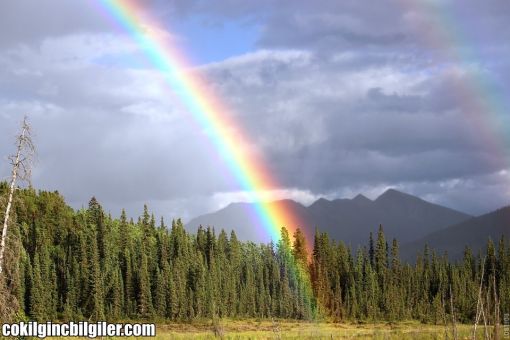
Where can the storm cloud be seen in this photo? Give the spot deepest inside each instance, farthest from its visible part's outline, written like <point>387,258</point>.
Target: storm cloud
<point>338,97</point>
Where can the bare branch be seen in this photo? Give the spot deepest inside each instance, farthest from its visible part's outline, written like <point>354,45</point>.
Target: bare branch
<point>21,169</point>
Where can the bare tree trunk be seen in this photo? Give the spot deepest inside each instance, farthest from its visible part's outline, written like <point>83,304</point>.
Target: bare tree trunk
<point>478,312</point>
<point>486,330</point>
<point>443,310</point>
<point>24,151</point>
<point>454,322</point>
<point>496,309</point>
<point>9,202</point>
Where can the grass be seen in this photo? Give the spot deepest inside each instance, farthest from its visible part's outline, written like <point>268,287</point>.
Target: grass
<point>309,330</point>
<point>288,329</point>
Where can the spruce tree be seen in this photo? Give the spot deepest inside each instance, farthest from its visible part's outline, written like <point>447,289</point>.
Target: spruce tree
<point>299,247</point>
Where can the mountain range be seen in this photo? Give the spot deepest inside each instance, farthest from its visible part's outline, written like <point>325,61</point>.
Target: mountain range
<point>473,232</point>
<point>410,219</point>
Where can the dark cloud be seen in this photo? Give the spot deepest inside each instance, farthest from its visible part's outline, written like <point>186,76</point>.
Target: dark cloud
<point>326,127</point>
<point>338,96</point>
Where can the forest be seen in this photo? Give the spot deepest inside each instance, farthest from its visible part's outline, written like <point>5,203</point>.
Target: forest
<point>66,264</point>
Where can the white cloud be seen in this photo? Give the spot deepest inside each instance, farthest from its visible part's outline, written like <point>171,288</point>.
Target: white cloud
<point>221,199</point>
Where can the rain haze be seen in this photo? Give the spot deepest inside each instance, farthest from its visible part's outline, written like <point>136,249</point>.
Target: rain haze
<point>339,98</point>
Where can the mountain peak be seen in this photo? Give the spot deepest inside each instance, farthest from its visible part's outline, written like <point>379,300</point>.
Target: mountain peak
<point>404,216</point>
<point>360,198</point>
<point>320,202</point>
<point>392,194</point>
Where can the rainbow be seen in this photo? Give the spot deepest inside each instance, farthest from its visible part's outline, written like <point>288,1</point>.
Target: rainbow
<point>478,96</point>
<point>226,135</point>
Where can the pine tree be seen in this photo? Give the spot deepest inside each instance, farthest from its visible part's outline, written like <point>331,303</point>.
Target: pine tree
<point>371,250</point>
<point>96,220</point>
<point>160,297</point>
<point>96,284</point>
<point>157,273</point>
<point>381,254</point>
<point>38,297</point>
<point>145,308</point>
<point>299,247</point>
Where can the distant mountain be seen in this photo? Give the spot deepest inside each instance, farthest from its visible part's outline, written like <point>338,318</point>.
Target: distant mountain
<point>403,216</point>
<point>243,218</point>
<point>474,233</point>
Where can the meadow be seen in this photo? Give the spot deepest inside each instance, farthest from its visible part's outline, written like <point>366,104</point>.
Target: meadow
<point>289,329</point>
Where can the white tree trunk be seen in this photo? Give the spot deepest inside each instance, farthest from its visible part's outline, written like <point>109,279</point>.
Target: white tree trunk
<point>15,168</point>
<point>479,301</point>
<point>454,322</point>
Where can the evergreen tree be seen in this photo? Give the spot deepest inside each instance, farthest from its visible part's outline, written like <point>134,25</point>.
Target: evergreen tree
<point>299,247</point>
<point>83,264</point>
<point>145,307</point>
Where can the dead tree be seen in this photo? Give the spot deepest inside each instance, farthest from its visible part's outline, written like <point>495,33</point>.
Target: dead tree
<point>454,322</point>
<point>443,312</point>
<point>485,316</point>
<point>496,309</point>
<point>21,169</point>
<point>479,301</point>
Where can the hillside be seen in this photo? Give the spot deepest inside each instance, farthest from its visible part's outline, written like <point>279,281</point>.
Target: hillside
<point>473,233</point>
<point>403,216</point>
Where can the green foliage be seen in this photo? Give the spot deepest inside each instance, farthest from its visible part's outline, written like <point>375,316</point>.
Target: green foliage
<point>86,265</point>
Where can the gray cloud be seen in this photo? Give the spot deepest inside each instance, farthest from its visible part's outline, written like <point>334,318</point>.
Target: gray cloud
<point>27,22</point>
<point>327,127</point>
<point>339,97</point>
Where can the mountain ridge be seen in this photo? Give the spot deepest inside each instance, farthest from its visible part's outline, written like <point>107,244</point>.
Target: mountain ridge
<point>403,216</point>
<point>474,233</point>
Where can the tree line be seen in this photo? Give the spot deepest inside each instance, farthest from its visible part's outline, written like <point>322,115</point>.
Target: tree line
<point>66,264</point>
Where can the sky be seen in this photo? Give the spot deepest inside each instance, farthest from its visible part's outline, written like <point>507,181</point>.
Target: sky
<point>339,97</point>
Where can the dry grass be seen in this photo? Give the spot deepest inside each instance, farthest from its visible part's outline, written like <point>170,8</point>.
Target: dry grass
<point>288,329</point>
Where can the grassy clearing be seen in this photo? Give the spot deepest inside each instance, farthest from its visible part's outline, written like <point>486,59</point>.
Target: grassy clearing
<point>304,330</point>
<point>266,329</point>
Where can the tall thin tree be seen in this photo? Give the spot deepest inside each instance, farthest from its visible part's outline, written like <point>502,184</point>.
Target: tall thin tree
<point>21,169</point>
